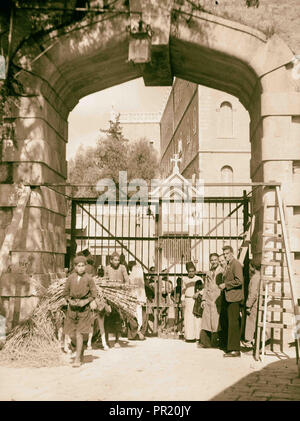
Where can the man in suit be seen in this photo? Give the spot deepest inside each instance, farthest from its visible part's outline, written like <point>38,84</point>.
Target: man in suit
<point>233,287</point>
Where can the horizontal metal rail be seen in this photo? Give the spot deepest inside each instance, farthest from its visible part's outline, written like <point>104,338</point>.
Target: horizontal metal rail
<point>163,237</point>
<point>254,184</point>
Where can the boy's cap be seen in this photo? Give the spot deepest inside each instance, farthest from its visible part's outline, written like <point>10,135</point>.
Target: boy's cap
<point>79,259</point>
<point>190,265</point>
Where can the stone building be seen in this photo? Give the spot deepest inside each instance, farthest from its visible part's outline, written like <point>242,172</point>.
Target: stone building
<point>136,126</point>
<point>209,129</point>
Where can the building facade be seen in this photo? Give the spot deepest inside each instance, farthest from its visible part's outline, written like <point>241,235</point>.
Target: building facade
<point>136,126</point>
<point>209,129</point>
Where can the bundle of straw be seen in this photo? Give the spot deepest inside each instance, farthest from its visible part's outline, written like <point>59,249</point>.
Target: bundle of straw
<point>34,342</point>
<point>118,295</point>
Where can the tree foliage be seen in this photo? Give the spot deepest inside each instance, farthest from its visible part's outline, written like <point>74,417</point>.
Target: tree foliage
<point>112,154</point>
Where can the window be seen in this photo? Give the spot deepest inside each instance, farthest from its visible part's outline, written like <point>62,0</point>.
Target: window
<point>225,126</point>
<point>227,177</point>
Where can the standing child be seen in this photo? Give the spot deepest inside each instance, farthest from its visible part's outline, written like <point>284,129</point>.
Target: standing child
<point>80,292</point>
<point>198,310</point>
<point>115,272</point>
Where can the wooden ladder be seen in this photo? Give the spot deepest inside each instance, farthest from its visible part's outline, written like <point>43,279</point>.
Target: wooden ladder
<point>277,296</point>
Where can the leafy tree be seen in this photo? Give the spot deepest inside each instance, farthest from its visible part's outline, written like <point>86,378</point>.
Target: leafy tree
<point>112,152</point>
<point>83,169</point>
<point>143,161</point>
<point>108,157</point>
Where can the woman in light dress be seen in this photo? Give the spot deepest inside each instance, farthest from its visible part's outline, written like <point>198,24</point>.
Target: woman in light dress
<point>192,323</point>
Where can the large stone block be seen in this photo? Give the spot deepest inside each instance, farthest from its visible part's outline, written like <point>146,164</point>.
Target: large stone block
<point>37,262</point>
<point>35,173</point>
<point>37,150</point>
<point>18,285</point>
<point>271,55</point>
<point>47,198</point>
<point>39,107</point>
<point>35,239</point>
<point>6,173</point>
<point>39,128</point>
<point>280,103</point>
<point>5,217</point>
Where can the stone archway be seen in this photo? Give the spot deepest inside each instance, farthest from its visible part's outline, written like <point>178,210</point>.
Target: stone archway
<point>61,69</point>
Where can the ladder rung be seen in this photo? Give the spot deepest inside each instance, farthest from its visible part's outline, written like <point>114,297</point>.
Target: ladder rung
<point>272,221</point>
<point>281,295</point>
<point>278,310</point>
<point>276,325</point>
<point>275,237</point>
<point>274,250</point>
<point>272,263</point>
<point>275,279</point>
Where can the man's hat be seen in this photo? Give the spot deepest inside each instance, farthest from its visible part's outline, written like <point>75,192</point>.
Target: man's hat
<point>79,259</point>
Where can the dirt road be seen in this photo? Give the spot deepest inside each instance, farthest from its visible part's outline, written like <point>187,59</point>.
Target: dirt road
<point>156,369</point>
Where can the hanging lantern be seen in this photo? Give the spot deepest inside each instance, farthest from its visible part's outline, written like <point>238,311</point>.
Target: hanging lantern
<point>2,67</point>
<point>140,43</point>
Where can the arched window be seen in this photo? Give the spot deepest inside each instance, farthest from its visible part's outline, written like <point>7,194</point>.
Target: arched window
<point>225,128</point>
<point>227,177</point>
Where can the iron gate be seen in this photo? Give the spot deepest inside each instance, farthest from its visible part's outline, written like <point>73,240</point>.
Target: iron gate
<point>160,238</point>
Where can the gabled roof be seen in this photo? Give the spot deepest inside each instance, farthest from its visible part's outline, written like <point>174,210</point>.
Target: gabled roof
<point>176,187</point>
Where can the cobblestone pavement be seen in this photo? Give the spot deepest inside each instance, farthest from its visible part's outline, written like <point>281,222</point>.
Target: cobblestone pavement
<point>156,369</point>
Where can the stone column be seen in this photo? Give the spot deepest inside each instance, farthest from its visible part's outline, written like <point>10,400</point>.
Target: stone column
<point>275,148</point>
<point>35,158</point>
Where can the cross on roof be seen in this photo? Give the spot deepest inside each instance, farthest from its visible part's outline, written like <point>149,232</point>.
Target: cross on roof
<point>176,159</point>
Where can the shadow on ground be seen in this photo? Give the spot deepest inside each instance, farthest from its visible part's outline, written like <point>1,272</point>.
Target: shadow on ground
<point>276,381</point>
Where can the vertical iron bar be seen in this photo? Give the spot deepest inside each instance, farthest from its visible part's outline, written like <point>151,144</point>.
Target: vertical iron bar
<point>223,224</point>
<point>230,225</point>
<point>116,219</point>
<point>95,232</point>
<point>102,239</point>
<point>216,223</point>
<point>81,209</point>
<point>142,235</point>
<point>237,229</point>
<point>108,236</point>
<point>129,227</point>
<point>135,227</point>
<point>73,232</point>
<point>209,251</point>
<point>89,227</point>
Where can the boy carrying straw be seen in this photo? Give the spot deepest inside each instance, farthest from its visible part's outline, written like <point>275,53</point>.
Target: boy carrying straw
<point>80,292</point>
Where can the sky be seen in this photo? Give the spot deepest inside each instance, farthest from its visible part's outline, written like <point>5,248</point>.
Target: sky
<point>92,113</point>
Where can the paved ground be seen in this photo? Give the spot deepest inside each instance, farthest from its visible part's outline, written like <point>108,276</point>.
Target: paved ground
<point>156,369</point>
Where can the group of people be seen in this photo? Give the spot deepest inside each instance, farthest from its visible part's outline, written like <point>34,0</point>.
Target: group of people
<point>213,308</point>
